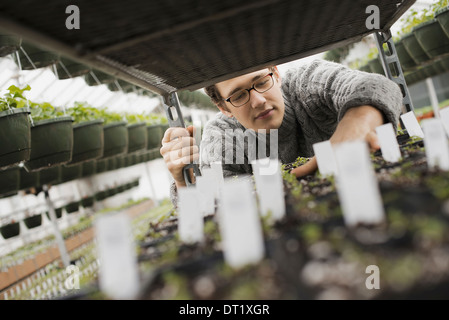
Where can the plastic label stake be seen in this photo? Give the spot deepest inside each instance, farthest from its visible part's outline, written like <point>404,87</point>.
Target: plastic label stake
<point>118,272</point>
<point>412,124</point>
<point>444,116</point>
<point>270,188</point>
<point>436,144</point>
<point>218,172</point>
<point>388,143</point>
<point>325,158</point>
<point>240,225</point>
<point>357,186</point>
<point>190,217</point>
<point>207,185</point>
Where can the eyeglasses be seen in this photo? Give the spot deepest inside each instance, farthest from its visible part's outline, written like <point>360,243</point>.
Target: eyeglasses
<point>241,97</point>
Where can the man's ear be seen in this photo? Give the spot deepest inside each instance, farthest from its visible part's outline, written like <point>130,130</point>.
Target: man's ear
<point>224,110</point>
<point>276,74</point>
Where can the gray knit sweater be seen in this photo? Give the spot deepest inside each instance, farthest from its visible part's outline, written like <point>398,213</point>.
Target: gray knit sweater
<point>316,96</point>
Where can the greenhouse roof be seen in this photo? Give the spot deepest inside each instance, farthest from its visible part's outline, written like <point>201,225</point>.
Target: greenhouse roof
<point>167,45</point>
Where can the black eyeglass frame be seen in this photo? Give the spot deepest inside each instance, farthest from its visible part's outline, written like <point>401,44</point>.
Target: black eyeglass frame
<point>249,91</point>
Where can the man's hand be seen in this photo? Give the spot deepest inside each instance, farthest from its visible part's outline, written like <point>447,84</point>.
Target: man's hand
<point>357,123</point>
<point>178,149</point>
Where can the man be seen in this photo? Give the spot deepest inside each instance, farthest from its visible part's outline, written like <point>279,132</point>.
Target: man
<point>315,102</point>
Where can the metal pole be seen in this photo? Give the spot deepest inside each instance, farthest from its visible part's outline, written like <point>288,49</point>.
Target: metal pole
<point>59,240</point>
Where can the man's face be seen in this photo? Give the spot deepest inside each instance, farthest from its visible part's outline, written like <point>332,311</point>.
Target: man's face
<point>263,110</point>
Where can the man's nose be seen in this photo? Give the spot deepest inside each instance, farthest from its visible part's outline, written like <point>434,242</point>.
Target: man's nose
<point>256,99</point>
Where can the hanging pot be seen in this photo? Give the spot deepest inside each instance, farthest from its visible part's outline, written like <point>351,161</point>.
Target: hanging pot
<point>112,163</point>
<point>376,66</point>
<point>115,139</point>
<point>101,195</point>
<point>51,143</point>
<point>9,44</point>
<point>50,176</point>
<point>10,230</point>
<point>442,16</point>
<point>40,58</point>
<point>414,49</point>
<point>9,182</point>
<point>33,221</point>
<point>28,179</point>
<point>67,68</point>
<point>15,133</point>
<point>120,162</point>
<point>88,201</point>
<point>88,141</point>
<point>58,212</point>
<point>102,165</point>
<point>70,173</point>
<point>72,207</point>
<point>404,57</point>
<point>432,38</point>
<point>137,137</point>
<point>155,134</point>
<point>89,168</point>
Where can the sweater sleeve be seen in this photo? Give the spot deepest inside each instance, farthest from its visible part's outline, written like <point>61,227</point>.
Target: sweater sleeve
<point>326,90</point>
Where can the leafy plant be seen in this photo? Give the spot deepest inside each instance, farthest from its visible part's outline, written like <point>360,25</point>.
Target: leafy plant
<point>44,110</point>
<point>14,98</point>
<point>81,112</point>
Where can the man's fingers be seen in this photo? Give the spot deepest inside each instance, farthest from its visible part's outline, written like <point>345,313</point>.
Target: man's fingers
<point>307,168</point>
<point>174,132</point>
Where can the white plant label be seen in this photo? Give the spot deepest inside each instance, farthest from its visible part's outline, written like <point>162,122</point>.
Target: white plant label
<point>217,169</point>
<point>118,272</point>
<point>190,217</point>
<point>412,124</point>
<point>436,144</point>
<point>325,158</point>
<point>444,116</point>
<point>270,187</point>
<point>240,224</point>
<point>206,186</point>
<point>388,143</point>
<point>357,186</point>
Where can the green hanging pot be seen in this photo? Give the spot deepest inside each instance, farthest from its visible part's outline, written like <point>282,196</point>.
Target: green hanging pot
<point>155,134</point>
<point>51,143</point>
<point>10,230</point>
<point>9,44</point>
<point>33,221</point>
<point>102,165</point>
<point>88,141</point>
<point>15,133</point>
<point>407,63</point>
<point>88,201</point>
<point>89,168</point>
<point>101,195</point>
<point>442,16</point>
<point>112,163</point>
<point>70,173</point>
<point>414,49</point>
<point>103,78</point>
<point>121,188</point>
<point>120,162</point>
<point>28,179</point>
<point>72,207</point>
<point>58,212</point>
<point>40,58</point>
<point>67,68</point>
<point>376,66</point>
<point>50,176</point>
<point>115,139</point>
<point>432,38</point>
<point>9,182</point>
<point>137,137</point>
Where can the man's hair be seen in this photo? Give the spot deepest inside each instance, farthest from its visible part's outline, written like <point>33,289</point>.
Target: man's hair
<point>216,97</point>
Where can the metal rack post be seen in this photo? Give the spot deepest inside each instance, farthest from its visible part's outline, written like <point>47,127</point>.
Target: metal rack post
<point>171,101</point>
